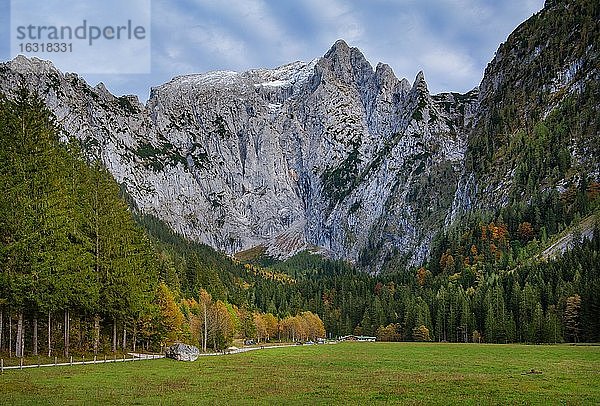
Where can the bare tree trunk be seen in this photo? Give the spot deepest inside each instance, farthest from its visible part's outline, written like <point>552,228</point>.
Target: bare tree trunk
<point>64,332</point>
<point>96,333</point>
<point>22,336</point>
<point>35,335</point>
<point>9,335</point>
<point>134,335</point>
<point>80,333</point>
<point>114,343</point>
<point>19,340</point>
<point>205,329</point>
<point>67,331</point>
<point>49,335</point>
<point>124,337</point>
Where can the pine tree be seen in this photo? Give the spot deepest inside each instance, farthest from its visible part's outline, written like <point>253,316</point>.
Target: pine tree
<point>538,324</point>
<point>572,327</point>
<point>553,330</point>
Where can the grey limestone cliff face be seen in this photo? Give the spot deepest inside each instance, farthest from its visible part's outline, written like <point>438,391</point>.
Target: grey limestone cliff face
<point>330,155</point>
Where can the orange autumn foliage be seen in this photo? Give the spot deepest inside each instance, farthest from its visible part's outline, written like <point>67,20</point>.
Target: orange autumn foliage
<point>421,276</point>
<point>525,231</point>
<point>498,232</point>
<point>447,261</point>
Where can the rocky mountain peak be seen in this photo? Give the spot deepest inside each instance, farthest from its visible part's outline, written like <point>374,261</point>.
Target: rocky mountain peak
<point>348,64</point>
<point>420,85</point>
<point>23,64</point>
<point>340,47</point>
<point>383,70</point>
<point>306,155</point>
<point>385,76</point>
<point>330,155</point>
<point>336,156</point>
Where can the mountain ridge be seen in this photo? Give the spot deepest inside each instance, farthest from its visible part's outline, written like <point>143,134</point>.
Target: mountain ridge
<point>331,153</point>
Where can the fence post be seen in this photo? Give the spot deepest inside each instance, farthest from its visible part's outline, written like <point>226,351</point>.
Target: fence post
<point>1,366</point>
<point>38,361</point>
<point>105,358</point>
<point>94,359</point>
<point>123,357</point>
<point>21,363</point>
<point>83,359</point>
<point>71,360</point>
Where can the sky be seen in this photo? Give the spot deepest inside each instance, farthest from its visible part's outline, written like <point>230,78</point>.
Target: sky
<point>451,41</point>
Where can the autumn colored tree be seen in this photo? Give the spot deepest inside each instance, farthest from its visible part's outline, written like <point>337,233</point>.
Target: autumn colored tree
<point>287,329</point>
<point>422,274</point>
<point>293,329</point>
<point>499,232</point>
<point>391,332</point>
<point>314,327</point>
<point>525,231</point>
<point>171,318</point>
<point>271,325</point>
<point>447,262</point>
<point>205,304</point>
<point>421,333</point>
<point>222,326</point>
<point>261,326</point>
<point>193,313</point>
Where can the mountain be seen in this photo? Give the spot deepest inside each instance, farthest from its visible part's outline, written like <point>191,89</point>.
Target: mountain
<point>331,154</point>
<point>537,122</point>
<point>338,157</point>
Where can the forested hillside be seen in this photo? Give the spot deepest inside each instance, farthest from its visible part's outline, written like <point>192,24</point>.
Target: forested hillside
<point>78,272</point>
<point>538,110</point>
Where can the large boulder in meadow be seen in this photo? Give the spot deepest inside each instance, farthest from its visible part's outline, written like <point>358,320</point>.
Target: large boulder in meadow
<point>182,352</point>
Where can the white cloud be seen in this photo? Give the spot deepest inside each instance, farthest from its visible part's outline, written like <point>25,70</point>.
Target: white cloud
<point>218,42</point>
<point>194,44</point>
<point>262,32</point>
<point>336,20</point>
<point>451,40</point>
<point>452,66</point>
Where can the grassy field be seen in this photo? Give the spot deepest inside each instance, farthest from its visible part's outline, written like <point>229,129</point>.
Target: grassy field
<point>347,373</point>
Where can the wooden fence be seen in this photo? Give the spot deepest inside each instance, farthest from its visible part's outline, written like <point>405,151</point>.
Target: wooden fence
<point>93,361</point>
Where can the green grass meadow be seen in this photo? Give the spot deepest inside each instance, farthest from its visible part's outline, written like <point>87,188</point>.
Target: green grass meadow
<point>345,373</point>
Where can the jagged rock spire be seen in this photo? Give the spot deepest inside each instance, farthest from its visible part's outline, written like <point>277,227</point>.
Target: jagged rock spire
<point>420,85</point>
